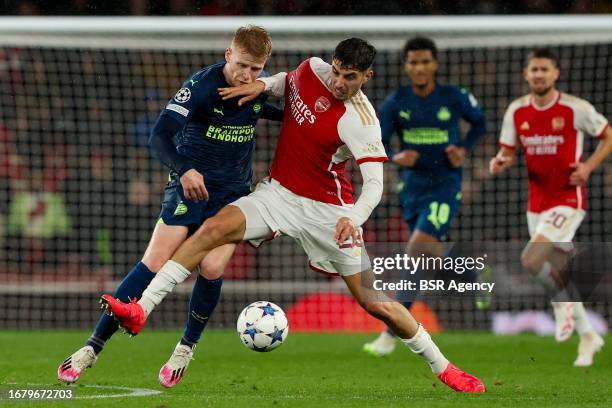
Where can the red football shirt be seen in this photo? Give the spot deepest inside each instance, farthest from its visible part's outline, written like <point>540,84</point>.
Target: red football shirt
<point>321,133</point>
<point>552,138</point>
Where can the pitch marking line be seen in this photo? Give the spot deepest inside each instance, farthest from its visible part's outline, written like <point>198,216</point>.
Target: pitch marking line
<point>134,392</point>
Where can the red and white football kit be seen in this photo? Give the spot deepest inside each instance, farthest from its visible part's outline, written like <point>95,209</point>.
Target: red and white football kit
<point>552,138</point>
<point>308,191</point>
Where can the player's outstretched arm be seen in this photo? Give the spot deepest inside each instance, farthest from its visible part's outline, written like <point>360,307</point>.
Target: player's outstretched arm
<point>582,171</point>
<point>247,92</point>
<point>274,85</point>
<point>502,161</point>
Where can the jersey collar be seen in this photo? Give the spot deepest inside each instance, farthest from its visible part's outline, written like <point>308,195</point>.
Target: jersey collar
<point>548,106</point>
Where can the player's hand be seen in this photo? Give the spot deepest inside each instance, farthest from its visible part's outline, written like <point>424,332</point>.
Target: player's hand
<point>248,92</point>
<point>499,163</point>
<point>345,229</point>
<point>406,158</point>
<point>580,175</point>
<point>455,155</point>
<point>193,186</point>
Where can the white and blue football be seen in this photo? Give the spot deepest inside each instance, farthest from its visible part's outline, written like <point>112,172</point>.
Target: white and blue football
<point>262,326</point>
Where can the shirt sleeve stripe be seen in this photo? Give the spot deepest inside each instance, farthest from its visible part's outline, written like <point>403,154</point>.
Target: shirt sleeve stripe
<point>603,131</point>
<point>366,116</point>
<point>507,145</point>
<point>359,112</point>
<point>370,115</point>
<point>372,159</point>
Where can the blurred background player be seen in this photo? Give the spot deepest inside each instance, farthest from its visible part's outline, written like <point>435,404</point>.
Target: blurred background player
<point>550,126</point>
<point>211,166</point>
<point>425,115</point>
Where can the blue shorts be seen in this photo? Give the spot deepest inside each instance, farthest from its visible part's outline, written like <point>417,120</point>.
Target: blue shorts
<point>177,210</point>
<point>431,212</point>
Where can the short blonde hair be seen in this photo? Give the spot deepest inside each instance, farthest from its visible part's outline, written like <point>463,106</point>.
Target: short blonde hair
<point>255,40</point>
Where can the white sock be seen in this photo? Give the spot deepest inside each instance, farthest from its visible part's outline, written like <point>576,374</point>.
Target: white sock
<point>549,279</point>
<point>583,325</point>
<point>170,275</point>
<point>423,345</point>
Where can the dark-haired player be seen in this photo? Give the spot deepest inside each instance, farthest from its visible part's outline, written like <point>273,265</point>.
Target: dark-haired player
<point>550,126</point>
<point>327,121</point>
<point>425,115</point>
<point>211,166</point>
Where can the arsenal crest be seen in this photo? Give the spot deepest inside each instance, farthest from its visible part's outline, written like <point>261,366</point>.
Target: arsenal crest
<point>558,123</point>
<point>322,104</point>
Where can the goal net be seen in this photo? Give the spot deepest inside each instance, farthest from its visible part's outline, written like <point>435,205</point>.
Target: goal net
<point>80,192</point>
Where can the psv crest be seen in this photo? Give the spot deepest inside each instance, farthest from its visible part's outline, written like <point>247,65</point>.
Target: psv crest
<point>558,123</point>
<point>322,104</point>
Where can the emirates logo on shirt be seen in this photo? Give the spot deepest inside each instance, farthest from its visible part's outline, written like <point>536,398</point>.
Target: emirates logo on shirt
<point>558,123</point>
<point>322,104</point>
<point>542,144</point>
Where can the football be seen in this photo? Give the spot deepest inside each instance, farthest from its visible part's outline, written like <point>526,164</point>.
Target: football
<point>262,326</point>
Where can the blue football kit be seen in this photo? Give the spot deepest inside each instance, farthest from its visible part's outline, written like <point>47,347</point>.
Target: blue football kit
<point>216,138</point>
<point>430,193</point>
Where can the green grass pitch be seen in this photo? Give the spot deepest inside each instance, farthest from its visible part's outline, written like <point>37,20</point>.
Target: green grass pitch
<point>310,370</point>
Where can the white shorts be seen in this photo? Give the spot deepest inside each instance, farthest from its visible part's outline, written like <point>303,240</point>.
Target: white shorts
<point>272,210</point>
<point>557,224</point>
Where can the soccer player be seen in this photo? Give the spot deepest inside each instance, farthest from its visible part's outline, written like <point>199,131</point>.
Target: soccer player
<point>211,166</point>
<point>550,126</point>
<point>425,115</point>
<point>327,121</point>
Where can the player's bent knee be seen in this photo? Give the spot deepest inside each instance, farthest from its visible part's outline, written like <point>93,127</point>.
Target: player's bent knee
<point>214,228</point>
<point>531,263</point>
<point>220,229</point>
<point>212,270</point>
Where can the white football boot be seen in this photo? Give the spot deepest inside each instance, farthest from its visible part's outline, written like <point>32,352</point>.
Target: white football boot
<point>173,371</point>
<point>590,343</point>
<point>71,368</point>
<point>564,320</point>
<point>382,346</point>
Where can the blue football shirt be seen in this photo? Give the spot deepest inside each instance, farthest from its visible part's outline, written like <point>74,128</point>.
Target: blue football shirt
<point>218,136</point>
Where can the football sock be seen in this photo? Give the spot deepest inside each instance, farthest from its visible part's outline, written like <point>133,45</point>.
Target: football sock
<point>467,274</point>
<point>131,286</point>
<point>170,275</point>
<point>204,299</point>
<point>423,345</point>
<point>583,325</point>
<point>548,279</point>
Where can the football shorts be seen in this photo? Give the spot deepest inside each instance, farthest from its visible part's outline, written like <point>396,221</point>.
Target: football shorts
<point>432,212</point>
<point>273,210</point>
<point>558,224</point>
<point>177,210</point>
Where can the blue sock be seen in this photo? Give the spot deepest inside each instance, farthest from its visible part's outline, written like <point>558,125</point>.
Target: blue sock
<point>469,274</point>
<point>204,299</point>
<point>407,298</point>
<point>131,286</point>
